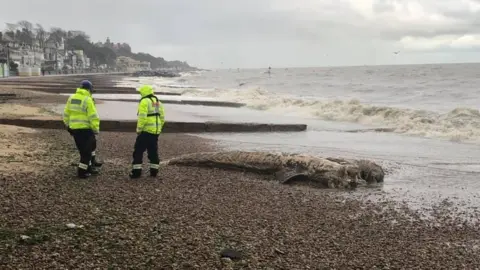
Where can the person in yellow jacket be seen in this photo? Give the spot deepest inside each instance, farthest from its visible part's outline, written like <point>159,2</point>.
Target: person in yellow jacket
<point>83,123</point>
<point>151,118</point>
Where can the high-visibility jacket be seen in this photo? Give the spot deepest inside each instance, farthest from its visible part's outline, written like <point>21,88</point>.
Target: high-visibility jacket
<point>80,112</point>
<point>151,114</point>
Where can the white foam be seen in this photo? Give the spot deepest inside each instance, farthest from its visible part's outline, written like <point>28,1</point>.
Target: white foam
<point>460,124</point>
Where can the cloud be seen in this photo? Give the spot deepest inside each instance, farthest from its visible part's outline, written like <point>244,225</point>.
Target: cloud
<point>259,33</point>
<point>455,42</point>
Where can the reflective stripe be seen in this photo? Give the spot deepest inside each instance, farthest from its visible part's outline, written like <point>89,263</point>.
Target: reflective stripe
<point>154,166</point>
<point>150,121</point>
<point>147,125</point>
<point>80,115</point>
<point>93,153</point>
<point>79,121</point>
<point>75,101</point>
<point>84,105</point>
<point>83,166</point>
<point>137,166</point>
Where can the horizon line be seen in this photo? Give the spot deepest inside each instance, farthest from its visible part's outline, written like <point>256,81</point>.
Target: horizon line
<point>342,66</point>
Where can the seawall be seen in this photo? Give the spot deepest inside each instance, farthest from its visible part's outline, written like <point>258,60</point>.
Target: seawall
<point>170,127</point>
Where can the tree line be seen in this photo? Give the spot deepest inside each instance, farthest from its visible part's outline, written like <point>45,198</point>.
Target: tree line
<point>99,53</point>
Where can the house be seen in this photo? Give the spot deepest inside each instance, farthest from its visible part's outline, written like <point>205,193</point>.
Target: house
<point>37,53</point>
<point>80,59</point>
<point>69,59</point>
<point>14,52</point>
<point>128,64</point>
<point>76,60</point>
<point>3,49</point>
<point>29,55</point>
<point>145,65</point>
<point>54,54</point>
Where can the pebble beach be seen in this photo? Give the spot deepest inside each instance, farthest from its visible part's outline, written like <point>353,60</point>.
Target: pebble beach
<point>198,218</point>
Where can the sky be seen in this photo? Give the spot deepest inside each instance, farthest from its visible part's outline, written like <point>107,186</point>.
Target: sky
<point>276,33</point>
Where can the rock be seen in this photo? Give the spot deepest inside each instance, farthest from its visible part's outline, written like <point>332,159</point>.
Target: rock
<point>230,254</point>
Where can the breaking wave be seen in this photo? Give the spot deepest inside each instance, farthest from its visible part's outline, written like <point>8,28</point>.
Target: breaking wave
<point>460,124</point>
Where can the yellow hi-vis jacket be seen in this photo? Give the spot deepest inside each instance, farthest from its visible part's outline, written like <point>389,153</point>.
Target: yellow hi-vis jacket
<point>151,114</point>
<point>80,112</point>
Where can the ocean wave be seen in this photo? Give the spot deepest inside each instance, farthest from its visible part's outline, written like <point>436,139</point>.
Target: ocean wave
<point>160,83</point>
<point>177,86</point>
<point>460,124</point>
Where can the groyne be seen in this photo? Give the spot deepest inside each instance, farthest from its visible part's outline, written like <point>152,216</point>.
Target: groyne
<point>170,126</point>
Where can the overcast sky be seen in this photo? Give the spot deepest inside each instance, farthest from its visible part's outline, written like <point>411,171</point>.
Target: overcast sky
<point>277,33</point>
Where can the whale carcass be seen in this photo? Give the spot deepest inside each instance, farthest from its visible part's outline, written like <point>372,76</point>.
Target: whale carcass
<point>328,172</point>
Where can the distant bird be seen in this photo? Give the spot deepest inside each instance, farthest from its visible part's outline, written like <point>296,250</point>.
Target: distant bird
<point>396,52</point>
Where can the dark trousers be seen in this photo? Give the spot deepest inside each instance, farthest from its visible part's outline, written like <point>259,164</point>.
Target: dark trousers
<point>95,162</point>
<point>148,142</point>
<point>94,145</point>
<point>84,140</point>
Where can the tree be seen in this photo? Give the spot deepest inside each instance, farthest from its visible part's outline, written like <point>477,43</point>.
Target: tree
<point>11,28</point>
<point>58,34</point>
<point>155,62</point>
<point>99,53</point>
<point>76,33</point>
<point>26,34</point>
<point>41,35</point>
<point>26,25</point>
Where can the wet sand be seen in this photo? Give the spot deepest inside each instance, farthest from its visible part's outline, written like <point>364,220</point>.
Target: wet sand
<point>188,216</point>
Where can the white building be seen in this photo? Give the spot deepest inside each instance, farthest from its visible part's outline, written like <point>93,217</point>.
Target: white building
<point>54,53</point>
<point>83,62</point>
<point>128,64</point>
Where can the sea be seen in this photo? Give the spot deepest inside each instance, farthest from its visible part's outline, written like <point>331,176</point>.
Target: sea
<point>420,122</point>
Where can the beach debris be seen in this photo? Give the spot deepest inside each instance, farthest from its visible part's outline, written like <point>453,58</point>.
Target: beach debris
<point>24,237</point>
<point>329,172</point>
<point>74,226</point>
<point>230,254</point>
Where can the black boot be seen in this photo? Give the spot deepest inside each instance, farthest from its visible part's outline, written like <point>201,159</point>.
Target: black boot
<point>96,163</point>
<point>153,172</point>
<point>93,170</point>
<point>83,174</point>
<point>135,174</point>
